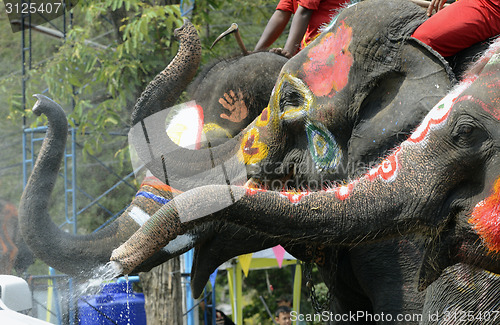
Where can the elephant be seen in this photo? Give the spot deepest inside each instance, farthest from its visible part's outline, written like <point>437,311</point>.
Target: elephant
<point>15,253</point>
<point>360,106</point>
<point>276,139</point>
<point>448,170</point>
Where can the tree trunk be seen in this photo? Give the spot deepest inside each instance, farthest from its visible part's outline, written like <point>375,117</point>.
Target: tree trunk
<point>162,291</point>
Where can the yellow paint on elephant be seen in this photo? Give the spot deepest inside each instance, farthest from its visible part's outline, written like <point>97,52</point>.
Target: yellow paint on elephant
<point>175,132</point>
<point>264,117</point>
<point>304,102</point>
<point>320,145</point>
<point>485,219</point>
<point>252,149</point>
<point>213,127</point>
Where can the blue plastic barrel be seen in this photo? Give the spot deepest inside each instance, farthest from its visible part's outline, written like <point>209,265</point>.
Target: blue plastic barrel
<point>112,306</point>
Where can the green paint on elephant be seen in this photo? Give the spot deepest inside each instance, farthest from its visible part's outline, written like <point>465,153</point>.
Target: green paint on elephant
<point>323,147</point>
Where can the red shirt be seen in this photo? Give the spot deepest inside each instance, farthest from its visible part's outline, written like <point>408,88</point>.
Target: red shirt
<point>324,10</point>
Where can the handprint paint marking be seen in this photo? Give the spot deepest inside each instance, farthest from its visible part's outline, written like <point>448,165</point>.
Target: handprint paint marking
<point>236,106</point>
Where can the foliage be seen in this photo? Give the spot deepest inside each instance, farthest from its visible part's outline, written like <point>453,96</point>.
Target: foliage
<point>112,51</point>
<point>215,16</point>
<point>102,82</point>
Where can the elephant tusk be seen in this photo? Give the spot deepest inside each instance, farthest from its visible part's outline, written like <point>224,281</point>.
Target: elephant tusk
<point>232,30</point>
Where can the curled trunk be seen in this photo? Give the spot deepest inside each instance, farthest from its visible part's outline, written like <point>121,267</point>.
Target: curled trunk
<point>80,255</point>
<point>57,248</point>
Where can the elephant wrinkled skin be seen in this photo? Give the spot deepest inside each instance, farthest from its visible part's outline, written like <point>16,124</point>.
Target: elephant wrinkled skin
<point>342,103</point>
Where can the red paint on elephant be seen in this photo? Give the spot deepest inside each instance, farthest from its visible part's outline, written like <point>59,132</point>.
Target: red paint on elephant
<point>252,190</point>
<point>263,118</point>
<point>495,112</point>
<point>439,114</point>
<point>494,107</point>
<point>492,104</point>
<point>387,170</point>
<point>159,185</point>
<point>486,219</point>
<point>327,70</point>
<point>294,197</point>
<point>248,148</point>
<point>343,192</point>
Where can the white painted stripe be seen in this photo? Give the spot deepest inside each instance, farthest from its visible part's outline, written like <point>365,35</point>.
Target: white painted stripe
<point>179,243</point>
<point>139,215</point>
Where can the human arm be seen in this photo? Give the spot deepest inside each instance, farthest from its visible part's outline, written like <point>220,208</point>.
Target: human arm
<point>298,28</point>
<point>273,30</point>
<point>431,5</point>
<point>435,4</point>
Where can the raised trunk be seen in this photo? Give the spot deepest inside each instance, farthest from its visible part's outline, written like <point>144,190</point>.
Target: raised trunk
<point>79,255</point>
<point>167,86</point>
<point>169,162</point>
<point>69,254</point>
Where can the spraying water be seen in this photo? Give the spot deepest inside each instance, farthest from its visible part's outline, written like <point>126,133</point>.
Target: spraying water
<point>102,274</point>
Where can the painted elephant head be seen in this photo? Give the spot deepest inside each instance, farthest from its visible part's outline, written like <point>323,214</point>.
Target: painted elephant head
<point>320,124</point>
<point>442,181</point>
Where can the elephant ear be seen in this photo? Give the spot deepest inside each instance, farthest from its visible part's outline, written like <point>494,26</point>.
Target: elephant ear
<point>399,99</point>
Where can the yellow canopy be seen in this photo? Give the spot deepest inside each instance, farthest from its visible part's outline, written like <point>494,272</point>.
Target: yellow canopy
<point>264,259</point>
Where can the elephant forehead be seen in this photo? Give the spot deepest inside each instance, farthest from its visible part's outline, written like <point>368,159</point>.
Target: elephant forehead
<point>325,66</point>
<point>485,92</point>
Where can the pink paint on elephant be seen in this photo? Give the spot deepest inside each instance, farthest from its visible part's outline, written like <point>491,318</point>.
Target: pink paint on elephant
<point>327,70</point>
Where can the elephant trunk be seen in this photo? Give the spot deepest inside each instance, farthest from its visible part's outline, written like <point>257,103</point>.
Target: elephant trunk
<point>77,255</point>
<point>40,233</point>
<point>168,85</point>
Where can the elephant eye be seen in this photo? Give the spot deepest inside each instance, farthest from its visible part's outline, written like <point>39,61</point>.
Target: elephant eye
<point>293,98</point>
<point>465,130</point>
<point>467,133</point>
<point>290,96</point>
